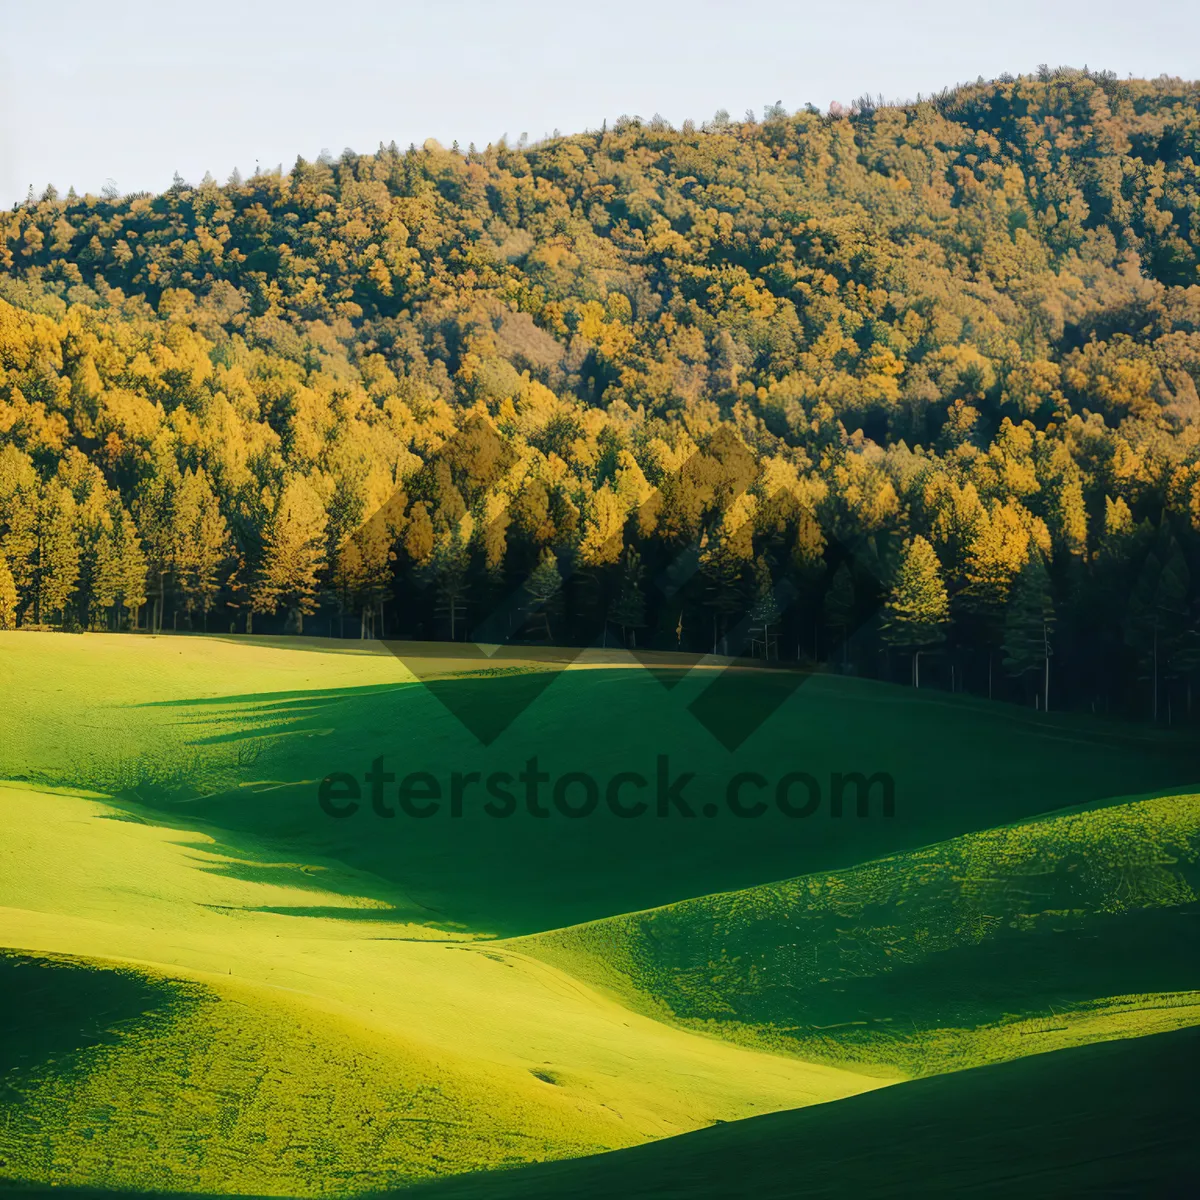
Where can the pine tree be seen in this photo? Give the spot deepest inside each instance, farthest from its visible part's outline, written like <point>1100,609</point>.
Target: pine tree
<point>917,608</point>
<point>133,568</point>
<point>544,589</point>
<point>418,535</point>
<point>765,613</point>
<point>153,508</point>
<point>106,573</point>
<point>20,541</point>
<point>58,552</point>
<point>837,608</point>
<point>448,566</point>
<point>1028,624</point>
<point>1156,622</point>
<point>237,590</point>
<point>201,541</point>
<point>293,554</point>
<point>722,566</point>
<point>629,612</point>
<point>1000,547</point>
<point>362,572</point>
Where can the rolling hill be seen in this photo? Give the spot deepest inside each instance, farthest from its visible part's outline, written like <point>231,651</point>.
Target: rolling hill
<point>1068,928</point>
<point>1044,1127</point>
<point>249,1024</point>
<point>210,985</point>
<point>238,733</point>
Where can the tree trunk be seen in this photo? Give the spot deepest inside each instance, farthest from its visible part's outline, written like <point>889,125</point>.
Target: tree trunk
<point>1154,678</point>
<point>1045,666</point>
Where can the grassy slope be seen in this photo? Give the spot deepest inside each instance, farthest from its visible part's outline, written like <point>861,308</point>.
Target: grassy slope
<point>1067,928</point>
<point>299,1052</point>
<point>238,734</point>
<point>1111,1120</point>
<point>324,972</point>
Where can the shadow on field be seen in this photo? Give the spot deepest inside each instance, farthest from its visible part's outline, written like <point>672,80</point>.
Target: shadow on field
<point>1116,1119</point>
<point>53,1008</point>
<point>956,764</point>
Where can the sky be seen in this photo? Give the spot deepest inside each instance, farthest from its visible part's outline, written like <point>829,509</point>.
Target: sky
<point>112,91</point>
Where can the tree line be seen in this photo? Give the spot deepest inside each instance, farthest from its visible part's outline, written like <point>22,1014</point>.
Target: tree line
<point>909,389</point>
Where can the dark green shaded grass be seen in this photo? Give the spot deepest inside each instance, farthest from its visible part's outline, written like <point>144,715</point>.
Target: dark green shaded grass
<point>1117,1119</point>
<point>1043,971</point>
<point>51,1008</point>
<point>886,962</point>
<point>956,767</point>
<point>253,765</point>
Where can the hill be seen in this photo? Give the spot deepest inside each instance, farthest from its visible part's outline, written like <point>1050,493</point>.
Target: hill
<point>1048,1126</point>
<point>707,388</point>
<point>211,984</point>
<point>238,734</point>
<point>1072,927</point>
<point>184,1014</point>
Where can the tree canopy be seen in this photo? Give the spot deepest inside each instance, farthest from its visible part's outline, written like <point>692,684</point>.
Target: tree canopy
<point>676,368</point>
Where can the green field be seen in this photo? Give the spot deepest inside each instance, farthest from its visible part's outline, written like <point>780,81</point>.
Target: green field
<point>1039,1128</point>
<point>210,985</point>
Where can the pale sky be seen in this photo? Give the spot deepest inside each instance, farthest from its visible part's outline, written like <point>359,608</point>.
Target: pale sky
<point>98,90</point>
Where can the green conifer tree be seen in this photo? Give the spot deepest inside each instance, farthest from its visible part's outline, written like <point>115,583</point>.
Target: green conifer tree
<point>1156,622</point>
<point>294,554</point>
<point>1029,623</point>
<point>544,589</point>
<point>837,609</point>
<point>765,613</point>
<point>629,612</point>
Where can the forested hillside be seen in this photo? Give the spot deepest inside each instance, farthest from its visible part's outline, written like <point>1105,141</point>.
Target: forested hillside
<point>908,378</point>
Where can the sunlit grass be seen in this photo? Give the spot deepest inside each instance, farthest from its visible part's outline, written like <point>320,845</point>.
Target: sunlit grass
<point>317,1050</point>
<point>261,999</point>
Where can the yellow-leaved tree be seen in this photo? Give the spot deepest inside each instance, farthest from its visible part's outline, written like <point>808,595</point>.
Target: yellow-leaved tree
<point>294,553</point>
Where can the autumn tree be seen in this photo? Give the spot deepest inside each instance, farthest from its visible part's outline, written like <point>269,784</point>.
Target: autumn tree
<point>294,553</point>
<point>917,608</point>
<point>201,541</point>
<point>8,596</point>
<point>57,554</point>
